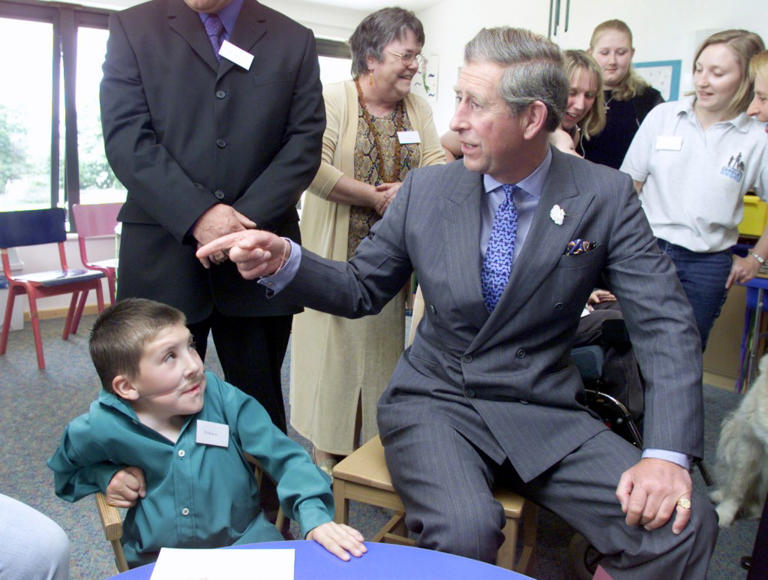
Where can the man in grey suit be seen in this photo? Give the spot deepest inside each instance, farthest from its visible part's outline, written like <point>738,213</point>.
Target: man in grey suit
<point>488,392</point>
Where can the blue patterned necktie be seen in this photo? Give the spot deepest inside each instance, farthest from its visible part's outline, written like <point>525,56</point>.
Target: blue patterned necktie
<point>215,30</point>
<point>497,263</point>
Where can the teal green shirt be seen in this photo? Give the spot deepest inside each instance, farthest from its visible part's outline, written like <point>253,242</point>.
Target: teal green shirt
<point>197,495</point>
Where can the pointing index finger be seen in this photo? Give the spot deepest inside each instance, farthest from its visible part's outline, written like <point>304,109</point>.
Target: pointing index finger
<point>219,244</point>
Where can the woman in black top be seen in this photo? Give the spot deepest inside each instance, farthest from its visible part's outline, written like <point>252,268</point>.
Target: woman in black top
<point>628,97</point>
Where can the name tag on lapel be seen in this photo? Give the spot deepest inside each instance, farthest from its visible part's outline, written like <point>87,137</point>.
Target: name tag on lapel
<point>210,433</point>
<point>236,54</point>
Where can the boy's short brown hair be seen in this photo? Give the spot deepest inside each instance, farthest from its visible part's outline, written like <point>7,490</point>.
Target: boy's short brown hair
<point>120,332</point>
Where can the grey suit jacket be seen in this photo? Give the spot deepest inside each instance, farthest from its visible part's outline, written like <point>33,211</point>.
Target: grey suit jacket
<point>512,367</point>
<point>184,131</point>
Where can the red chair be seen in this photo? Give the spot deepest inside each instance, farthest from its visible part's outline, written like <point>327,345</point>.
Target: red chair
<point>93,221</point>
<point>31,228</point>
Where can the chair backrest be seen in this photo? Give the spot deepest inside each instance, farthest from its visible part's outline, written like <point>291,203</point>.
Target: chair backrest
<point>32,227</point>
<point>97,219</point>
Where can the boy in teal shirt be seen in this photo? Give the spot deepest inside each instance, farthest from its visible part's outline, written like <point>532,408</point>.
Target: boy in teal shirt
<point>188,432</point>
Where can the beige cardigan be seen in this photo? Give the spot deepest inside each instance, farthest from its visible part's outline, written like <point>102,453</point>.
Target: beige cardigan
<point>337,362</point>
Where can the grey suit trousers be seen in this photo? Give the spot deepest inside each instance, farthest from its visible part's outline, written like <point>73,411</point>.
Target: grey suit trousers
<point>452,508</point>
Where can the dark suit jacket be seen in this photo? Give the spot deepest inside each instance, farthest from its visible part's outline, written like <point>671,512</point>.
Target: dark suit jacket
<point>184,132</point>
<point>512,367</point>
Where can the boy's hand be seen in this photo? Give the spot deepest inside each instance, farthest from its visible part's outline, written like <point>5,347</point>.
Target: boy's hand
<point>126,487</point>
<point>339,539</point>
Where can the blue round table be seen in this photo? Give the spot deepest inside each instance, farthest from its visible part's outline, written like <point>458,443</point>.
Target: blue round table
<point>382,561</point>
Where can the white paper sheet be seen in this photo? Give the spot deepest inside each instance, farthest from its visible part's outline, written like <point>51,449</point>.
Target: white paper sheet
<point>183,564</point>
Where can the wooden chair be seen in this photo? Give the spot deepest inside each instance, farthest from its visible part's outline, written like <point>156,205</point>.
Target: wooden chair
<point>92,221</point>
<point>363,476</point>
<point>112,521</point>
<point>37,227</point>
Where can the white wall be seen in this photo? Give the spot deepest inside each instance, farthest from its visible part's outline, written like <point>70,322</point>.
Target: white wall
<point>662,29</point>
<point>325,21</point>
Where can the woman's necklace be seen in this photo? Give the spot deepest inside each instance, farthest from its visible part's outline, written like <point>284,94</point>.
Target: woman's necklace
<point>399,113</point>
<point>609,100</point>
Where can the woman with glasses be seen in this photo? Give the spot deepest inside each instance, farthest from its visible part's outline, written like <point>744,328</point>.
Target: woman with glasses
<point>377,131</point>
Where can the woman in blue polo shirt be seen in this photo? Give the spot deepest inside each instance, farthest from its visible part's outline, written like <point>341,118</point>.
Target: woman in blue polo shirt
<point>692,161</point>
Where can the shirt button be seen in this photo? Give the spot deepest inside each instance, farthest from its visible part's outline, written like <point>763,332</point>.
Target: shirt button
<point>221,94</point>
<point>182,453</point>
<point>520,353</point>
<point>433,309</point>
<point>218,194</point>
<point>470,393</point>
<point>558,306</point>
<point>221,143</point>
<point>467,358</point>
<point>185,512</point>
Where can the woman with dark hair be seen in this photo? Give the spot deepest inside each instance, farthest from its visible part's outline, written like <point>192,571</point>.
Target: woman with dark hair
<point>628,98</point>
<point>692,162</point>
<point>377,131</point>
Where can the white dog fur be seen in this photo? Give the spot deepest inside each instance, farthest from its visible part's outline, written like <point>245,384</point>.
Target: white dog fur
<point>741,467</point>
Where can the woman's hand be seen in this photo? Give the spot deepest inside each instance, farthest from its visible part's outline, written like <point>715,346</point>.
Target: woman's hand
<point>742,270</point>
<point>386,192</point>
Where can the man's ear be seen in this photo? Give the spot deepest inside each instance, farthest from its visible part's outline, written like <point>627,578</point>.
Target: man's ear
<point>534,119</point>
<point>123,387</point>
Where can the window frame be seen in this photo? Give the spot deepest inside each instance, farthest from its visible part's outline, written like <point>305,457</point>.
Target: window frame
<point>66,19</point>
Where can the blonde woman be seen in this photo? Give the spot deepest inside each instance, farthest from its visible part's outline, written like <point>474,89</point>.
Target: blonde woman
<point>628,98</point>
<point>584,116</point>
<point>758,72</point>
<point>692,161</point>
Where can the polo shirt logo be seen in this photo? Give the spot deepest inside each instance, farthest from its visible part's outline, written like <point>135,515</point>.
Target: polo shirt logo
<point>735,168</point>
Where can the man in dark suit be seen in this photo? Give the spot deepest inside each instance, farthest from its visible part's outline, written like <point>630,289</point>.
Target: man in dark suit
<point>487,391</point>
<point>208,144</point>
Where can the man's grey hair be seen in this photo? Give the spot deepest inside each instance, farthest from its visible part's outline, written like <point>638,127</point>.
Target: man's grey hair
<point>377,30</point>
<point>534,69</point>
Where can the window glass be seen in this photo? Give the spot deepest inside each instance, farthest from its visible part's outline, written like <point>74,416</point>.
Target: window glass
<point>25,114</point>
<point>334,69</point>
<point>97,182</point>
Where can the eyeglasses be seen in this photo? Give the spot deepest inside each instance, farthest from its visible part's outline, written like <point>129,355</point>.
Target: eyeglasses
<point>408,58</point>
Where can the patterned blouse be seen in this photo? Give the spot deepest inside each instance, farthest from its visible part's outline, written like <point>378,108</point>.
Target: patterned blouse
<point>361,219</point>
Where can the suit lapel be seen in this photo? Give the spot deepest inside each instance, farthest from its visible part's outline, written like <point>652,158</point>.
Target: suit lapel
<point>188,25</point>
<point>249,28</point>
<point>544,245</point>
<point>461,209</point>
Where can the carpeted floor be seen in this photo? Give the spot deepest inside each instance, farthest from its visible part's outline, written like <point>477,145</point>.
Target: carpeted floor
<point>36,405</point>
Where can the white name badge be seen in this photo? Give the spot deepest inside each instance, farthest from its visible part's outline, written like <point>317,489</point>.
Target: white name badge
<point>236,54</point>
<point>669,143</point>
<point>209,433</point>
<point>407,137</point>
